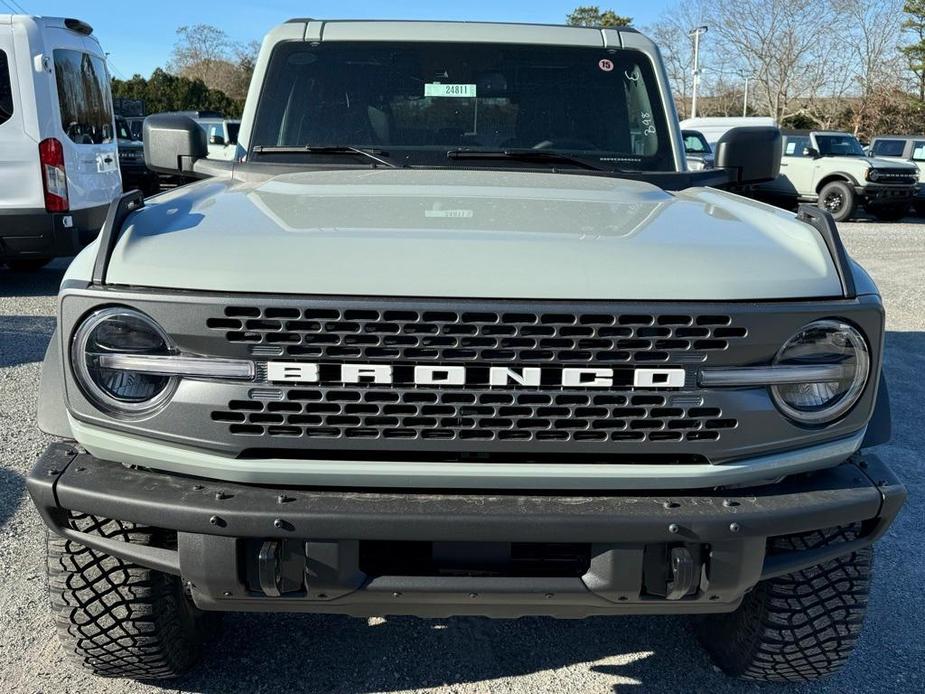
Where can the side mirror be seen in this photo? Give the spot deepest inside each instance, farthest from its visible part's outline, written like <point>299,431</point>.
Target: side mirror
<point>752,154</point>
<point>812,152</point>
<point>173,144</point>
<point>216,140</point>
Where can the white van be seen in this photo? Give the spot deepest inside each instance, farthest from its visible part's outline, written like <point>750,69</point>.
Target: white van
<point>59,162</point>
<point>714,127</point>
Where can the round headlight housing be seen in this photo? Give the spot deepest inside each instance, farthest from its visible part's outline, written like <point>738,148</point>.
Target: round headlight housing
<point>120,330</point>
<point>828,342</point>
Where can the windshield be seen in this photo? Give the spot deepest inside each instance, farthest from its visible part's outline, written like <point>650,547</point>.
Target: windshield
<point>839,146</point>
<point>420,100</point>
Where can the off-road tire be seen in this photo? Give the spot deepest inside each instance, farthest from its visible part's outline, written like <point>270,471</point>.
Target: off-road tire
<point>27,264</point>
<point>890,213</point>
<point>118,619</point>
<point>846,193</point>
<point>919,208</point>
<point>799,627</point>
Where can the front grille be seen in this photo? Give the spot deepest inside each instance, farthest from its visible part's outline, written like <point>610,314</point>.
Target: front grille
<point>895,177</point>
<point>485,337</point>
<point>497,415</point>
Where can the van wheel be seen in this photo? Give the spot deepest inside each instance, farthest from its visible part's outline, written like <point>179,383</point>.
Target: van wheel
<point>118,619</point>
<point>27,264</point>
<point>799,627</point>
<point>838,199</point>
<point>919,208</point>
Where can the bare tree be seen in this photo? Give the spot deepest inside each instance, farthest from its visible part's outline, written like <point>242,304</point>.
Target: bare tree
<point>206,53</point>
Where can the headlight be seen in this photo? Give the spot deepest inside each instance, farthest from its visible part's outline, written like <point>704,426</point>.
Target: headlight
<point>121,331</point>
<point>872,174</point>
<point>823,343</point>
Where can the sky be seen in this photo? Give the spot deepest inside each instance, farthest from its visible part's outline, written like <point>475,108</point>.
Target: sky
<point>139,34</point>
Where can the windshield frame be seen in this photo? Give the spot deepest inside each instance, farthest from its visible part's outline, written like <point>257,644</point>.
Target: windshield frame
<point>667,155</point>
<point>818,137</point>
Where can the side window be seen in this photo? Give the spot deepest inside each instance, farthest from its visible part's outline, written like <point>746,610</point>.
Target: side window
<point>888,148</point>
<point>918,151</point>
<point>6,90</point>
<point>795,146</point>
<point>84,97</point>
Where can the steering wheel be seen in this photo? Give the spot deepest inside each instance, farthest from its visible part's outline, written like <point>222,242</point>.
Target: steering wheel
<point>565,143</point>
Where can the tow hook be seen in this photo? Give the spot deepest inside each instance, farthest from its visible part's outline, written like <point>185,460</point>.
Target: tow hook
<point>683,573</point>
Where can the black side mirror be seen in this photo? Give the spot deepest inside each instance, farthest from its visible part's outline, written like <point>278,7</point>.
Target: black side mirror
<point>216,140</point>
<point>173,144</point>
<point>753,154</point>
<point>812,152</point>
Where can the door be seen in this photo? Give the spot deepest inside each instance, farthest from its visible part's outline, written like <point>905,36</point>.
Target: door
<point>796,168</point>
<point>84,122</point>
<point>20,185</point>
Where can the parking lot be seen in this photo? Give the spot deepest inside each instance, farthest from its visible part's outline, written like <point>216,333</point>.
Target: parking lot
<point>264,653</point>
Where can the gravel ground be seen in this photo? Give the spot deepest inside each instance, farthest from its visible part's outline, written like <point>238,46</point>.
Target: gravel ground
<point>262,653</point>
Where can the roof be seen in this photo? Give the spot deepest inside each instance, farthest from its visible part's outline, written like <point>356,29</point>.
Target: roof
<point>456,31</point>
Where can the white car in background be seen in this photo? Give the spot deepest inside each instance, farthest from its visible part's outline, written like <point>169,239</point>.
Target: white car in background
<point>59,162</point>
<point>222,136</point>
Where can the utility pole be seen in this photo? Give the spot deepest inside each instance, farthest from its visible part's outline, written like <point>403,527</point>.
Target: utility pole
<point>696,34</point>
<point>745,100</point>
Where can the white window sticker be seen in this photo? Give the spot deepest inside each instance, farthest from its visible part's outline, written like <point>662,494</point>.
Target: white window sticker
<point>455,91</point>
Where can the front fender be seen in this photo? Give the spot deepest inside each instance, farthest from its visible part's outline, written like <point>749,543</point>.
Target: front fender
<point>52,415</point>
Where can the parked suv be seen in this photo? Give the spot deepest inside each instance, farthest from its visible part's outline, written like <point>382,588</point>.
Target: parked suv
<point>462,335</point>
<point>132,161</point>
<point>698,150</point>
<point>59,167</point>
<point>831,170</point>
<point>907,149</point>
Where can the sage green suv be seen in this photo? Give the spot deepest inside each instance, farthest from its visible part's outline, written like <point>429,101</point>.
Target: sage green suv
<point>459,334</point>
<point>832,170</point>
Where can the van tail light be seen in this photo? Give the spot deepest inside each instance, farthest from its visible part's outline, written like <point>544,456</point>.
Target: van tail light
<point>54,177</point>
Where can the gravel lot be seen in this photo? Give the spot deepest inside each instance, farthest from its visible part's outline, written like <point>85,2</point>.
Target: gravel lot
<point>262,653</point>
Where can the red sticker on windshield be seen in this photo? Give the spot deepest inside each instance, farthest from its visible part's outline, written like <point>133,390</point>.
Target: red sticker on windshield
<point>606,65</point>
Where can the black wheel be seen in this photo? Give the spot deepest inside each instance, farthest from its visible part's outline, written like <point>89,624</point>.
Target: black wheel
<point>919,208</point>
<point>838,199</point>
<point>27,264</point>
<point>798,627</point>
<point>118,619</point>
<point>890,213</point>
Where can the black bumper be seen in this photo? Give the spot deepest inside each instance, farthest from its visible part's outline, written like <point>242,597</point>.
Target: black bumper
<point>311,544</point>
<point>878,194</point>
<point>40,234</point>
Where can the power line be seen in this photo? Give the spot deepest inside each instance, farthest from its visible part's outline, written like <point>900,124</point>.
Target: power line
<point>15,7</point>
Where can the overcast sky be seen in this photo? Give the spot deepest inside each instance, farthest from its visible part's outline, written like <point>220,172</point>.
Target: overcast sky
<point>139,34</point>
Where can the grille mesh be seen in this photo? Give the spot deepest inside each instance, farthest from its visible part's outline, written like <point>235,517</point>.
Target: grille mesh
<point>474,336</point>
<point>496,415</point>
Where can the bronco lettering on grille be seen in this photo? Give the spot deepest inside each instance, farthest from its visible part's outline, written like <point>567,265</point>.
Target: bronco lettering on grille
<point>384,374</point>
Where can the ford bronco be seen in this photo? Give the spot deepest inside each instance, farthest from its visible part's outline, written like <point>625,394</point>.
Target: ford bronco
<point>832,170</point>
<point>459,334</point>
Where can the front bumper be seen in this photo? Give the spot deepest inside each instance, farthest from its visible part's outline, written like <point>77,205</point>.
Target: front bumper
<point>40,234</point>
<point>255,548</point>
<point>880,194</point>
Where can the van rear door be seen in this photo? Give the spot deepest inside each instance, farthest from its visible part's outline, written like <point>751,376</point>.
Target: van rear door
<point>84,122</point>
<point>20,188</point>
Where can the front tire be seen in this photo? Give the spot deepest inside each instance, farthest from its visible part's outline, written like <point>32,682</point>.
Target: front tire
<point>838,199</point>
<point>118,619</point>
<point>799,627</point>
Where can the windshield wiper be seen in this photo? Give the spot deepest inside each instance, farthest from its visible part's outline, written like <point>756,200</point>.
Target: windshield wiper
<point>525,155</point>
<point>326,149</point>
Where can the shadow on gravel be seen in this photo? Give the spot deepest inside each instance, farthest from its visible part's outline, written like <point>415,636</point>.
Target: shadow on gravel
<point>12,488</point>
<point>44,282</point>
<point>24,339</point>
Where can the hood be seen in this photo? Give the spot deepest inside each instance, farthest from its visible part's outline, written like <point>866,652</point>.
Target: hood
<point>478,234</point>
<point>864,163</point>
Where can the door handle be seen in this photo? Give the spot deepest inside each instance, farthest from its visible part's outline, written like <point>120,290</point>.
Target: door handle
<point>108,160</point>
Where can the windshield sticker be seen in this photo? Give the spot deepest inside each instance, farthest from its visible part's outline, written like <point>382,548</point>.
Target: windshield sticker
<point>606,65</point>
<point>454,91</point>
